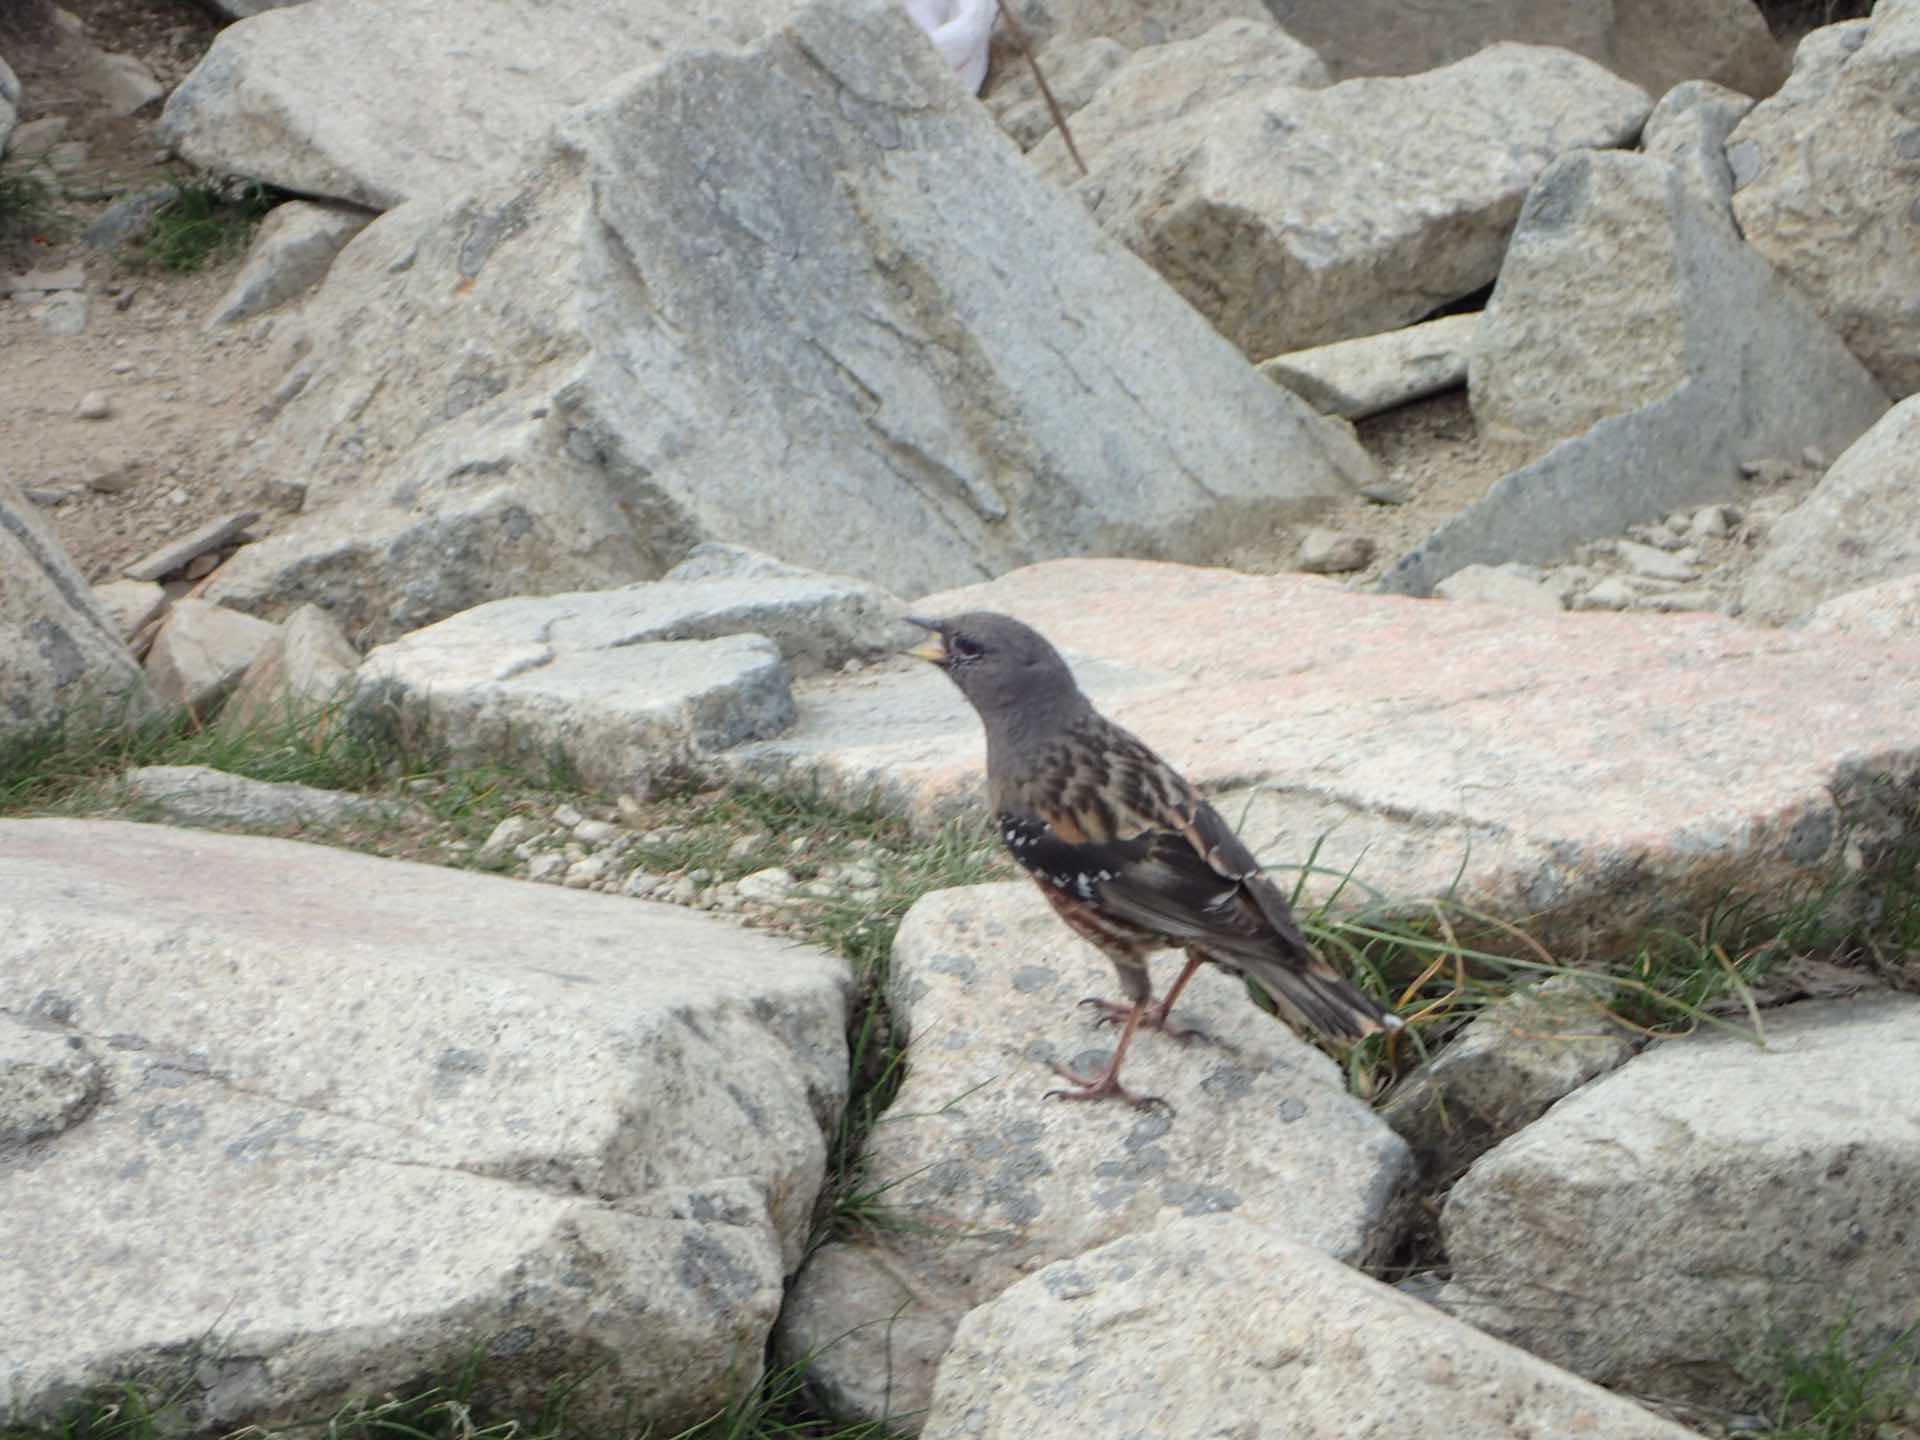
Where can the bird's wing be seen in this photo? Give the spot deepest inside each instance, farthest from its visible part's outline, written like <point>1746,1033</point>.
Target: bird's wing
<point>1190,880</point>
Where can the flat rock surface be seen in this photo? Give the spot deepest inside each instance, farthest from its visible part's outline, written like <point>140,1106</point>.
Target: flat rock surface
<point>1583,766</point>
<point>1217,1327</point>
<point>989,1181</point>
<point>411,117</point>
<point>361,1115</point>
<point>1704,1199</point>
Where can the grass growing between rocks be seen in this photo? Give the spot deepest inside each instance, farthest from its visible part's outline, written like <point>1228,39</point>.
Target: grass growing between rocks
<point>206,222</point>
<point>30,211</point>
<point>459,1409</point>
<point>1844,1389</point>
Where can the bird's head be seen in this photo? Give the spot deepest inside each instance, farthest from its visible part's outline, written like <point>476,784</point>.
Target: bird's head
<point>1000,665</point>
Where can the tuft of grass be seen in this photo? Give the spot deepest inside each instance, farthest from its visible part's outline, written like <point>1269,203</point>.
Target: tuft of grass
<point>1843,1389</point>
<point>205,223</point>
<point>30,213</point>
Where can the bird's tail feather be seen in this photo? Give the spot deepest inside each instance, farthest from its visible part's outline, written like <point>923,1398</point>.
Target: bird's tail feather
<point>1317,997</point>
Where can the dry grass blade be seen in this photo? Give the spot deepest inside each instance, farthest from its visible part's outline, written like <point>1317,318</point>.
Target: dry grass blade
<point>1046,91</point>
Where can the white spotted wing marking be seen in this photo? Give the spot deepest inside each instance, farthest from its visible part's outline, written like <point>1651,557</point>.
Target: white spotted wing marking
<point>1040,852</point>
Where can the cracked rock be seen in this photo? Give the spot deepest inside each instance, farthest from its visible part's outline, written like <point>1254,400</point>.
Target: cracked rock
<point>360,1115</point>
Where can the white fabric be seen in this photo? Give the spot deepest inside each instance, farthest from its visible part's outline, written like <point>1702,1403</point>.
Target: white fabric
<point>960,30</point>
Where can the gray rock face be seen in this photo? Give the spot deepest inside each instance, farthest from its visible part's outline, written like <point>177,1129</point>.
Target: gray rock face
<point>1887,611</point>
<point>1214,1326</point>
<point>1357,378</point>
<point>407,118</point>
<point>1292,218</point>
<point>197,795</point>
<point>9,104</point>
<point>1159,84</point>
<point>1630,316</point>
<point>358,1116</point>
<point>1621,765</point>
<point>202,651</point>
<point>1689,128</point>
<point>292,251</point>
<point>1858,527</point>
<point>993,1183</point>
<point>526,681</point>
<point>1656,45</point>
<point>58,648</point>
<point>1688,1207</point>
<point>732,300</point>
<point>1823,185</point>
<point>1503,1070</point>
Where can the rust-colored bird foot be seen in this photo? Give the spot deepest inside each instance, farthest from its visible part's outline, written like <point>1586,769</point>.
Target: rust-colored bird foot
<point>1102,1087</point>
<point>1112,1012</point>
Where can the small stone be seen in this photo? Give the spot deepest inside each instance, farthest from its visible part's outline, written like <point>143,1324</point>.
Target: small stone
<point>771,884</point>
<point>1814,457</point>
<point>583,873</point>
<point>122,367</point>
<point>546,867</point>
<point>641,884</point>
<point>567,817</point>
<point>1653,563</point>
<point>746,845</point>
<point>700,875</point>
<point>595,832</point>
<point>1612,593</point>
<point>630,809</point>
<point>683,891</point>
<point>94,405</point>
<point>862,877</point>
<point>1712,522</point>
<point>201,566</point>
<point>1333,552</point>
<point>44,496</point>
<point>64,314</point>
<point>1516,586</point>
<point>510,832</point>
<point>117,481</point>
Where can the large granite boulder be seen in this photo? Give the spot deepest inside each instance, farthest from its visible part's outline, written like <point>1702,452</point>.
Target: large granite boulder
<point>805,298</point>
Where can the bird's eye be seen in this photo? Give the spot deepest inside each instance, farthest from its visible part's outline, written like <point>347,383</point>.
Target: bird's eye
<point>964,648</point>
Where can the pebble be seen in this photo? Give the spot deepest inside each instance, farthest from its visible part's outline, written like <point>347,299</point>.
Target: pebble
<point>747,844</point>
<point>583,873</point>
<point>683,891</point>
<point>641,884</point>
<point>94,405</point>
<point>546,866</point>
<point>122,367</point>
<point>1653,563</point>
<point>510,832</point>
<point>628,805</point>
<point>1670,601</point>
<point>595,832</point>
<point>1613,593</point>
<point>775,883</point>
<point>567,817</point>
<point>1713,522</point>
<point>1334,552</point>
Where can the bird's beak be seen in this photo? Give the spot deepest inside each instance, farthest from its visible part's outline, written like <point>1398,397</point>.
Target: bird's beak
<point>933,649</point>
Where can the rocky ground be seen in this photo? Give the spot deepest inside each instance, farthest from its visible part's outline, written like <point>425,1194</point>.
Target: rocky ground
<point>136,430</point>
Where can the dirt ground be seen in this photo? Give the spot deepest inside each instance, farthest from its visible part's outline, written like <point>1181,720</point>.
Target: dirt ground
<point>184,404</point>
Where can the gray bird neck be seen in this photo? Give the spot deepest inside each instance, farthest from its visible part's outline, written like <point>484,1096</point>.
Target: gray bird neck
<point>1017,732</point>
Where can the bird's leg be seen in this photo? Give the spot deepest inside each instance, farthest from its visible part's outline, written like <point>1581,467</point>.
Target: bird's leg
<point>1107,1082</point>
<point>1155,1016</point>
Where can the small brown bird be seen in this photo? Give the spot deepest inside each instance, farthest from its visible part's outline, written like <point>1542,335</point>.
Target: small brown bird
<point>1125,849</point>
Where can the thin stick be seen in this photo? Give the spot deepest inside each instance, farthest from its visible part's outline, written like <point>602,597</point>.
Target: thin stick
<point>1053,105</point>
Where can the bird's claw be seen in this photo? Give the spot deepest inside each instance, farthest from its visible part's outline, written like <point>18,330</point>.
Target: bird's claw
<point>1100,1089</point>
